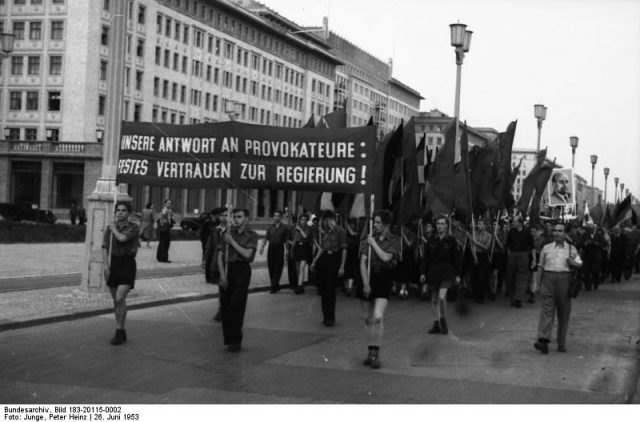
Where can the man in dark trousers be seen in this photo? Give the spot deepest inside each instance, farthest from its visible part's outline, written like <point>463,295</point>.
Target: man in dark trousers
<point>592,251</point>
<point>555,271</point>
<point>277,236</point>
<point>521,255</point>
<point>235,254</point>
<point>329,263</point>
<point>120,246</point>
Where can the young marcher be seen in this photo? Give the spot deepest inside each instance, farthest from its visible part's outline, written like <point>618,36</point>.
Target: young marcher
<point>276,237</point>
<point>235,254</point>
<point>498,260</point>
<point>555,271</point>
<point>480,273</point>
<point>329,263</point>
<point>119,249</point>
<point>443,266</point>
<point>165,222</point>
<point>377,280</point>
<point>521,255</point>
<point>210,254</point>
<point>301,251</point>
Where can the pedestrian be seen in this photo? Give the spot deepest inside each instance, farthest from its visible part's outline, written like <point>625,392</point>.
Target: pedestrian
<point>276,237</point>
<point>210,254</point>
<point>480,274</point>
<point>407,266</point>
<point>377,278</point>
<point>235,255</point>
<point>521,255</point>
<point>301,251</point>
<point>146,224</point>
<point>73,213</point>
<point>555,271</point>
<point>165,222</point>
<point>618,258</point>
<point>427,232</point>
<point>443,268</point>
<point>498,260</point>
<point>119,249</point>
<point>329,263</point>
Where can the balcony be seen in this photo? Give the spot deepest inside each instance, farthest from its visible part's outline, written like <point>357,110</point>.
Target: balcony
<point>39,148</point>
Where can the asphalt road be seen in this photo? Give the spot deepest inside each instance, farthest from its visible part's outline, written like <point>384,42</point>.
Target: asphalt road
<point>175,355</point>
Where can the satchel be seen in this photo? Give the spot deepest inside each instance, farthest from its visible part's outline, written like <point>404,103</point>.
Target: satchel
<point>576,283</point>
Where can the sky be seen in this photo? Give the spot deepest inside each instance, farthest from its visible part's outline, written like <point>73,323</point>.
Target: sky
<point>580,58</point>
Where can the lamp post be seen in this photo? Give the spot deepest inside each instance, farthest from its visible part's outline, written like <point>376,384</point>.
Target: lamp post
<point>99,135</point>
<point>606,177</point>
<point>540,113</point>
<point>594,160</point>
<point>621,189</point>
<point>461,40</point>
<point>7,44</point>
<point>573,141</point>
<point>615,192</point>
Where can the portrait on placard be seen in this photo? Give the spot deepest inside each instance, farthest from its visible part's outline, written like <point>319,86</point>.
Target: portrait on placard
<point>561,188</point>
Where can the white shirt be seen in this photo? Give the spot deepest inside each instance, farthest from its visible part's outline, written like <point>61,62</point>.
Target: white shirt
<point>553,257</point>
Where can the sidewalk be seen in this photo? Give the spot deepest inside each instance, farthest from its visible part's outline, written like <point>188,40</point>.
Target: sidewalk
<point>38,306</point>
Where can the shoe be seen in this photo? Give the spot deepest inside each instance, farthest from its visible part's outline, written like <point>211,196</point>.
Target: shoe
<point>375,362</point>
<point>299,290</point>
<point>542,346</point>
<point>517,304</point>
<point>492,297</point>
<point>367,361</point>
<point>234,347</point>
<point>328,323</point>
<point>443,326</point>
<point>119,338</point>
<point>435,329</point>
<point>218,316</point>
<point>562,349</point>
<point>274,290</point>
<point>347,292</point>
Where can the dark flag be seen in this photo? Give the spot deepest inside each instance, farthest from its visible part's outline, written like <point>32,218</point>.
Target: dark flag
<point>311,123</point>
<point>336,119</point>
<point>408,209</point>
<point>596,212</point>
<point>542,178</point>
<point>505,176</point>
<point>484,164</point>
<point>607,219</point>
<point>370,122</point>
<point>623,211</point>
<point>388,152</point>
<point>448,184</point>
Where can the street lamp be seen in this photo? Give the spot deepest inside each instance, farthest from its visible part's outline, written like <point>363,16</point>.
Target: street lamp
<point>594,160</point>
<point>540,112</point>
<point>621,189</point>
<point>461,40</point>
<point>573,141</point>
<point>7,44</point>
<point>615,192</point>
<point>606,177</point>
<point>99,134</point>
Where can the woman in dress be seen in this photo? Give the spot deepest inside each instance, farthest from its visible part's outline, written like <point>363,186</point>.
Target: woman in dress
<point>301,249</point>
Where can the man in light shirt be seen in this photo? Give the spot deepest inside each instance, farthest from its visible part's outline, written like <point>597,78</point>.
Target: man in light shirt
<point>555,272</point>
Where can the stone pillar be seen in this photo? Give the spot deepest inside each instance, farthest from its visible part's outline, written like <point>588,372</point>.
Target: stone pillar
<point>102,200</point>
<point>280,201</point>
<point>46,174</point>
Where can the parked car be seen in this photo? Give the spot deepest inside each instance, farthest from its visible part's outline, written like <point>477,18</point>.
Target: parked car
<point>192,223</point>
<point>26,211</point>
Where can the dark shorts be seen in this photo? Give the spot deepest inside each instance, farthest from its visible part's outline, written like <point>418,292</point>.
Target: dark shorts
<point>381,284</point>
<point>301,252</point>
<point>122,271</point>
<point>436,284</point>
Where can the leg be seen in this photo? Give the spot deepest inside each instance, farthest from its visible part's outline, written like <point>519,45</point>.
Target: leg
<point>442,310</point>
<point>547,297</point>
<point>563,309</point>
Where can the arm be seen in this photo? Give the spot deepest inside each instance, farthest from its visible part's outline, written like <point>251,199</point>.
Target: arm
<point>343,259</point>
<point>364,273</point>
<point>222,282</point>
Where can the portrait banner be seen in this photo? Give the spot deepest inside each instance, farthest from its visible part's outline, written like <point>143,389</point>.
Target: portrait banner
<point>561,188</point>
<point>239,155</point>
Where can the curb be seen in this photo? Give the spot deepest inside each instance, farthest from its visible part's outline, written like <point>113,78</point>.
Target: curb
<point>95,312</point>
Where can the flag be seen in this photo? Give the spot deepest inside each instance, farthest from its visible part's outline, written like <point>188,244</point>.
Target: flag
<point>408,208</point>
<point>541,180</point>
<point>322,124</point>
<point>311,123</point>
<point>310,201</point>
<point>596,212</point>
<point>336,119</point>
<point>623,211</point>
<point>484,162</point>
<point>421,159</point>
<point>370,122</point>
<point>447,187</point>
<point>505,175</point>
<point>529,184</point>
<point>387,152</point>
<point>607,219</point>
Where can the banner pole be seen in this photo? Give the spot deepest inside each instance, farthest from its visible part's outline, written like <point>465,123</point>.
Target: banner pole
<point>371,205</point>
<point>495,234</point>
<point>113,221</point>
<point>226,246</point>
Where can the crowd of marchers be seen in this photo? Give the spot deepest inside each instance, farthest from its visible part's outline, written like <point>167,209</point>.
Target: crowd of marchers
<point>442,259</point>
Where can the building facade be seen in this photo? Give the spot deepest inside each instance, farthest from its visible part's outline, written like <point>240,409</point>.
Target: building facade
<point>186,62</point>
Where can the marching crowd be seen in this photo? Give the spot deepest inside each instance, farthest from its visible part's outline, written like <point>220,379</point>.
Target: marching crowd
<point>440,259</point>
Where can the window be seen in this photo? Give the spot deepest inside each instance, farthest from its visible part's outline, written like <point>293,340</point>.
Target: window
<point>176,32</point>
<point>102,101</point>
<point>185,35</point>
<point>167,27</point>
<point>216,76</point>
<point>183,94</point>
<point>35,30</point>
<point>137,112</point>
<point>103,70</point>
<point>167,59</point>
<point>15,100</point>
<point>104,37</point>
<point>17,63</point>
<point>53,134</point>
<point>18,30</point>
<point>176,61</point>
<point>156,86</point>
<point>19,2</point>
<point>140,48</point>
<point>174,91</point>
<point>127,76</point>
<point>158,55</point>
<point>31,134</point>
<point>141,12</point>
<point>139,79</point>
<point>159,23</point>
<point>54,100</point>
<point>57,29</point>
<point>55,65</point>
<point>165,88</point>
<point>32,100</point>
<point>106,5</point>
<point>14,134</point>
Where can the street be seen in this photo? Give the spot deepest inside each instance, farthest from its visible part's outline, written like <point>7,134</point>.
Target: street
<point>175,355</point>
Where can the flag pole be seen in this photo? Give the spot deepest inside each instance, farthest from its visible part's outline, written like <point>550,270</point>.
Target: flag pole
<point>226,244</point>
<point>115,199</point>
<point>371,205</point>
<point>495,234</point>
